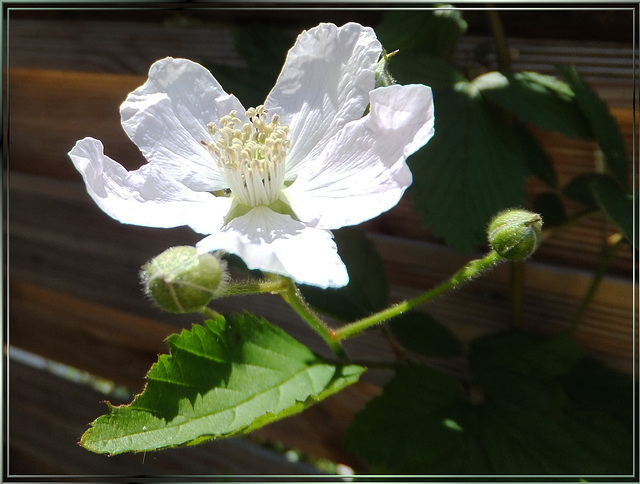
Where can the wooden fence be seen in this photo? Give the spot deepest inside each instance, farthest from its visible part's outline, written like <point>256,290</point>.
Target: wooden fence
<point>73,290</point>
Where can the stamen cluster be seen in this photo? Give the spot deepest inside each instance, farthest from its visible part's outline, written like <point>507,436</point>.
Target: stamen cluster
<point>252,155</point>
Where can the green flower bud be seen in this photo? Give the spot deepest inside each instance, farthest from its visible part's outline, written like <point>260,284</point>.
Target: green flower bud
<point>182,281</point>
<point>515,234</point>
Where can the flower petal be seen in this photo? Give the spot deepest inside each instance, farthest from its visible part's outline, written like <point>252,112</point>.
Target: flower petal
<point>276,243</point>
<point>167,119</point>
<point>325,83</point>
<point>147,196</point>
<point>361,172</point>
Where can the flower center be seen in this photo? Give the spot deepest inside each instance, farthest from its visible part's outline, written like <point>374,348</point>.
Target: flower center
<point>251,155</point>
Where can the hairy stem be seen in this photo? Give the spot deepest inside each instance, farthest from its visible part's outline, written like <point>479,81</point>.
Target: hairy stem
<point>294,298</point>
<point>469,271</point>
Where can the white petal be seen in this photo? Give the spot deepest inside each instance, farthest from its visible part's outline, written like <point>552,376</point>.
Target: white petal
<point>362,170</point>
<point>325,83</point>
<point>167,119</point>
<point>146,196</point>
<point>276,243</point>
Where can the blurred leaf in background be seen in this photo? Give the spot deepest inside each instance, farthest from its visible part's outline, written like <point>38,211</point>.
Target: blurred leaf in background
<point>533,406</point>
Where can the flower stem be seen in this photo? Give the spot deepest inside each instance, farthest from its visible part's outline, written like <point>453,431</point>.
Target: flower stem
<point>294,298</point>
<point>207,311</point>
<point>469,271</point>
<point>502,49</point>
<point>270,285</point>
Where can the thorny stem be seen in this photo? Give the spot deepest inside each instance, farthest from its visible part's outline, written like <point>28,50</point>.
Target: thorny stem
<point>469,271</point>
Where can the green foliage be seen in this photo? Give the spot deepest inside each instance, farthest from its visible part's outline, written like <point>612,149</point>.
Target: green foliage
<point>616,204</point>
<point>413,427</point>
<point>431,32</point>
<point>603,125</point>
<point>549,205</point>
<point>368,288</point>
<point>523,413</point>
<point>472,168</point>
<point>425,335</point>
<point>224,378</point>
<point>538,99</point>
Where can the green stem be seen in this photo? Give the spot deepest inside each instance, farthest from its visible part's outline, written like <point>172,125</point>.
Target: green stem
<point>502,49</point>
<point>517,292</point>
<point>207,311</point>
<point>608,253</point>
<point>271,285</point>
<point>469,271</point>
<point>294,298</point>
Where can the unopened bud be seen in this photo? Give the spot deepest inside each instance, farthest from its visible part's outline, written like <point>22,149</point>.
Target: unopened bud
<point>515,234</point>
<point>182,281</point>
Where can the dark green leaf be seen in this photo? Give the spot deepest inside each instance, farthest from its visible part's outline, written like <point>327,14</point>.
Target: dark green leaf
<point>227,377</point>
<point>412,68</point>
<point>421,333</point>
<point>616,203</point>
<point>523,353</point>
<point>538,99</point>
<point>368,289</point>
<point>602,388</point>
<point>550,207</point>
<point>522,440</point>
<point>430,32</point>
<point>472,168</point>
<point>536,157</point>
<point>603,125</point>
<point>521,422</point>
<point>579,189</point>
<point>414,426</point>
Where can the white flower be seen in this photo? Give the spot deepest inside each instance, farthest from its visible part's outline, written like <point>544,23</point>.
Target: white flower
<point>267,183</point>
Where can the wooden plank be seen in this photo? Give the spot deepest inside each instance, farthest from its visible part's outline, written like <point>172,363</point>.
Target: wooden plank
<point>88,259</point>
<point>81,104</point>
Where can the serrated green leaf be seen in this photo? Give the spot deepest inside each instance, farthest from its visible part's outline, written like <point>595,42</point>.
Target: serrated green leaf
<point>421,333</point>
<point>603,124</point>
<point>368,288</point>
<point>471,169</point>
<point>429,32</point>
<point>538,99</point>
<point>616,203</point>
<point>224,378</point>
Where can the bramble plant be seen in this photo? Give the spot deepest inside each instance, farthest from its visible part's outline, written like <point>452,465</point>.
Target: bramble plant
<point>328,149</point>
